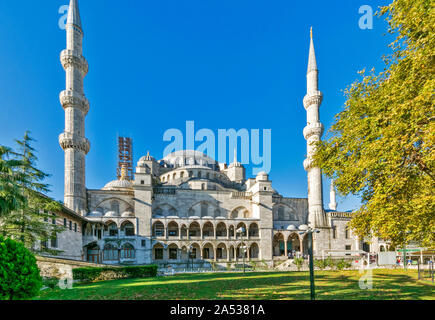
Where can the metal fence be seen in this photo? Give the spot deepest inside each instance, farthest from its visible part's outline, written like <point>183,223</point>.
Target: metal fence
<point>426,271</point>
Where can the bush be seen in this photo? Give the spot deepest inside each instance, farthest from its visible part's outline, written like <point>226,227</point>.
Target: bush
<point>298,262</point>
<point>343,264</point>
<point>19,273</point>
<point>111,273</point>
<point>321,264</point>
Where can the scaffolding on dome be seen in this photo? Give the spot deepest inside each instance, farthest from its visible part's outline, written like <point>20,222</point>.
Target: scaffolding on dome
<point>125,157</point>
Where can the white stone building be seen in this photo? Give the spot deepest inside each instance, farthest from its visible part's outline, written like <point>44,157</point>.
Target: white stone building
<point>187,208</point>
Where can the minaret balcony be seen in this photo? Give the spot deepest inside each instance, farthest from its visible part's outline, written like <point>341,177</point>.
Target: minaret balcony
<point>72,99</point>
<point>71,58</point>
<point>311,98</point>
<point>308,163</point>
<point>71,141</point>
<point>313,129</point>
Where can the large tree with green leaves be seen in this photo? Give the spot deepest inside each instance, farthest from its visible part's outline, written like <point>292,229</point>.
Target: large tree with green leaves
<point>29,219</point>
<point>381,146</point>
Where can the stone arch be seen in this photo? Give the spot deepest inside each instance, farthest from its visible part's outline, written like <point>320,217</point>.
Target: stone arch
<point>106,203</point>
<point>173,229</point>
<point>158,251</point>
<point>241,225</point>
<point>110,252</point>
<point>112,228</point>
<point>254,230</point>
<point>293,244</point>
<point>254,251</point>
<point>221,251</point>
<point>208,229</point>
<point>207,250</point>
<point>278,244</point>
<point>127,227</point>
<point>221,229</point>
<point>128,251</point>
<point>240,212</point>
<point>194,229</point>
<point>173,251</point>
<point>158,229</point>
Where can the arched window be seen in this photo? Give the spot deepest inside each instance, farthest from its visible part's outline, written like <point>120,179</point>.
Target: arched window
<point>202,186</point>
<point>128,229</point>
<point>190,174</point>
<point>113,230</point>
<point>114,206</point>
<point>182,174</point>
<point>158,229</point>
<point>110,252</point>
<point>199,174</point>
<point>346,232</point>
<point>127,251</point>
<point>174,176</point>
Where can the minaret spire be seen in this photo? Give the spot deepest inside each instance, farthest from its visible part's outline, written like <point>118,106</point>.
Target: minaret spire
<point>74,14</point>
<point>313,132</point>
<point>76,106</point>
<point>332,200</point>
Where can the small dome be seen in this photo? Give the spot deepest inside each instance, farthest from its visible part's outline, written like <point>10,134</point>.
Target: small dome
<point>118,184</point>
<point>95,214</point>
<point>194,217</point>
<point>127,214</point>
<point>111,214</point>
<point>207,217</point>
<point>303,227</point>
<point>262,176</point>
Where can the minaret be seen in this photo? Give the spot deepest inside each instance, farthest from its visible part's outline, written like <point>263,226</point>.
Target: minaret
<point>313,132</point>
<point>76,107</point>
<point>332,201</point>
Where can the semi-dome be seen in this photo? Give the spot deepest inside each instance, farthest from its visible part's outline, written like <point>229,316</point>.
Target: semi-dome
<point>95,214</point>
<point>111,214</point>
<point>127,214</point>
<point>291,227</point>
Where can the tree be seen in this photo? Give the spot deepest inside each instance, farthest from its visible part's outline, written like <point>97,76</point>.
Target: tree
<point>10,195</point>
<point>30,222</point>
<point>19,273</point>
<point>382,144</point>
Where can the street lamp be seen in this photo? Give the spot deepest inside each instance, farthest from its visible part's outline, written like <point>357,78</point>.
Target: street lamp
<point>241,230</point>
<point>307,230</point>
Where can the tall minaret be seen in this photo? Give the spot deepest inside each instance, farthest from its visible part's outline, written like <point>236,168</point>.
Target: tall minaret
<point>76,107</point>
<point>313,132</point>
<point>332,200</point>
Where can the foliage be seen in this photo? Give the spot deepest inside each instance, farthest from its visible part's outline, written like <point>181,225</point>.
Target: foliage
<point>19,273</point>
<point>30,221</point>
<point>321,264</point>
<point>381,146</point>
<point>343,264</point>
<point>110,273</point>
<point>298,262</point>
<point>50,282</point>
<point>10,195</point>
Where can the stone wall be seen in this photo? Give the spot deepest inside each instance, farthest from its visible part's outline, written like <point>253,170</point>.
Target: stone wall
<point>60,268</point>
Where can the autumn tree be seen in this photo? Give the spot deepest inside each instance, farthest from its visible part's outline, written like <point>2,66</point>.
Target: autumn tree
<point>381,146</point>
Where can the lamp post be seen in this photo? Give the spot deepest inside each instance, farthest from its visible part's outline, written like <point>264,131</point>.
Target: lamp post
<point>241,230</point>
<point>404,249</point>
<point>309,231</point>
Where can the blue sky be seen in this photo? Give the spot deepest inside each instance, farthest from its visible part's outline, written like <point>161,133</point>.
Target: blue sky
<point>156,64</point>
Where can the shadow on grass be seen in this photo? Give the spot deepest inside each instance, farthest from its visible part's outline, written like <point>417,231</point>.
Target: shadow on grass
<point>342,285</point>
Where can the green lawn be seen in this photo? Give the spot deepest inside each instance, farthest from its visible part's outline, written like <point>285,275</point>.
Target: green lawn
<point>387,284</point>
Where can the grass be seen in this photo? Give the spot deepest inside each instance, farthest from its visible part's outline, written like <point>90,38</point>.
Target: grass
<point>342,285</point>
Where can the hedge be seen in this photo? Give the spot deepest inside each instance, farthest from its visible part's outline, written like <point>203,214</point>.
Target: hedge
<point>111,273</point>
